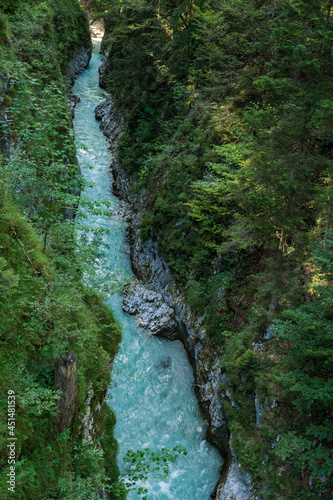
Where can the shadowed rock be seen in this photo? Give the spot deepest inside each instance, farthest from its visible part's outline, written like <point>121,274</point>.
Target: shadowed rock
<point>78,62</point>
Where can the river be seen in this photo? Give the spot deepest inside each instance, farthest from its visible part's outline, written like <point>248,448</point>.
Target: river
<point>152,380</point>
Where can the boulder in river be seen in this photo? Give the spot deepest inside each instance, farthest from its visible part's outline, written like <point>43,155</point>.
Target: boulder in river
<point>153,313</point>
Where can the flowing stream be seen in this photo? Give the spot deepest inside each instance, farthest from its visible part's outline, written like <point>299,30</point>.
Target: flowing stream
<point>152,381</point>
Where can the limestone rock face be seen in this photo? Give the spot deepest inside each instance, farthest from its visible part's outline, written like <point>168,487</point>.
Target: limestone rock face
<point>79,61</point>
<point>88,415</point>
<point>72,102</point>
<point>152,311</point>
<point>97,27</point>
<point>65,380</point>
<point>102,73</point>
<point>112,122</point>
<point>237,485</point>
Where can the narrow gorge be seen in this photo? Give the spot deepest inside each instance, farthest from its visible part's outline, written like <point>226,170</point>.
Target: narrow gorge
<point>166,249</point>
<point>152,390</point>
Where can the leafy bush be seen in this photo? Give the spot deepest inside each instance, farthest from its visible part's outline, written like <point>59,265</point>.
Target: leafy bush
<point>247,361</point>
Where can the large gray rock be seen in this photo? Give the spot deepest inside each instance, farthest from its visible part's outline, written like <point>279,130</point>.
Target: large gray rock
<point>152,311</point>
<point>237,485</point>
<point>112,123</point>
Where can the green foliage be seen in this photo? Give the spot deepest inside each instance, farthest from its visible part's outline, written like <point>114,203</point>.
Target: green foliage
<point>72,29</point>
<point>38,400</point>
<point>307,379</point>
<point>303,453</point>
<point>229,132</point>
<point>246,361</point>
<point>8,279</point>
<point>45,308</point>
<point>10,6</point>
<point>46,312</point>
<point>140,464</point>
<point>3,29</point>
<point>96,6</point>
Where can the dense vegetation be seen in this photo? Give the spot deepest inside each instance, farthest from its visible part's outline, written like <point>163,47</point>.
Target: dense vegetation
<point>228,105</point>
<point>45,308</point>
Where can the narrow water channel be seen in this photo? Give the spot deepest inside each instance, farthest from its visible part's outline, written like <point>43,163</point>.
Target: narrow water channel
<point>152,382</point>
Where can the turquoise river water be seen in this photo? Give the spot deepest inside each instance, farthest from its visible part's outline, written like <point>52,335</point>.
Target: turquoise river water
<point>152,381</point>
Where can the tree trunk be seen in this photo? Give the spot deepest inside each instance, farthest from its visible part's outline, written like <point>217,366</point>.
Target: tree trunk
<point>65,380</point>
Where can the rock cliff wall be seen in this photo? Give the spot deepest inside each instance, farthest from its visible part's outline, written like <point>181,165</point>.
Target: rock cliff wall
<point>78,62</point>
